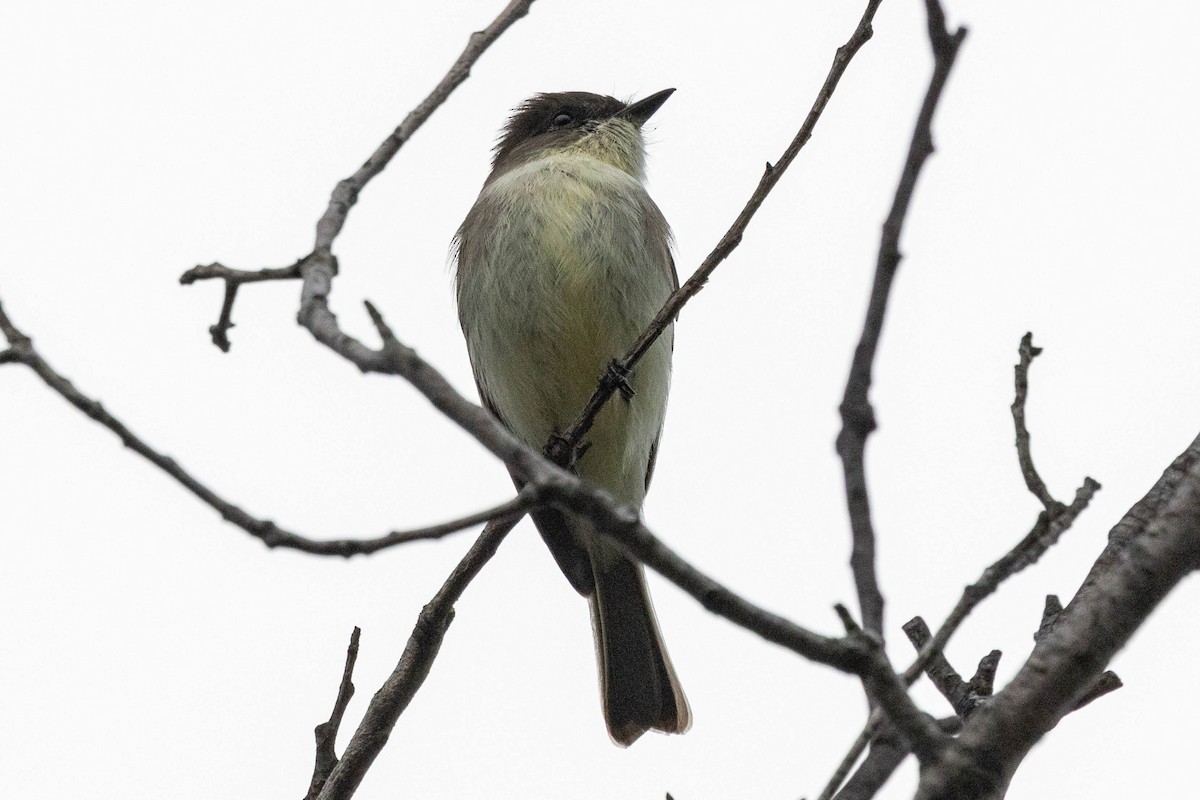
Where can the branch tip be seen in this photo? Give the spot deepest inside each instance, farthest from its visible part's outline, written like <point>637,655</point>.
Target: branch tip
<point>326,732</point>
<point>848,622</point>
<point>982,683</point>
<point>1107,682</point>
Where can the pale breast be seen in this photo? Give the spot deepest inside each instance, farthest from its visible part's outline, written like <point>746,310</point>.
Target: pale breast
<point>562,264</point>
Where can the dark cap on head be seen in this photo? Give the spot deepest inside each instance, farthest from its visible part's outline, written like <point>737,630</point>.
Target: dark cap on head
<point>554,118</point>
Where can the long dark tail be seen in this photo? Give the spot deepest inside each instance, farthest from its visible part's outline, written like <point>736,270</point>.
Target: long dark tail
<point>638,687</point>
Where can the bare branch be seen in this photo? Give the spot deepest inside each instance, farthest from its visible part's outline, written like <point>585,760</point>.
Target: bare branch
<point>858,418</point>
<point>849,760</point>
<point>1052,522</point>
<point>1107,682</point>
<point>401,686</point>
<point>963,696</point>
<point>947,680</point>
<point>1021,371</point>
<point>1067,663</point>
<point>564,449</point>
<point>346,193</point>
<point>1133,525</point>
<point>326,733</point>
<point>548,483</point>
<point>900,715</point>
<point>233,278</point>
<point>888,751</point>
<point>1045,532</point>
<point>1024,553</point>
<point>270,534</point>
<point>853,653</point>
<point>890,694</point>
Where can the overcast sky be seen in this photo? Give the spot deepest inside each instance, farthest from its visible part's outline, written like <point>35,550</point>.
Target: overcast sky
<point>149,650</point>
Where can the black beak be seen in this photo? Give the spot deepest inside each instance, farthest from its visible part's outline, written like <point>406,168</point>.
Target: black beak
<point>644,109</point>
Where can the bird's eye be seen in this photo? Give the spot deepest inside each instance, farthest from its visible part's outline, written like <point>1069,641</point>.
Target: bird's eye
<point>562,119</point>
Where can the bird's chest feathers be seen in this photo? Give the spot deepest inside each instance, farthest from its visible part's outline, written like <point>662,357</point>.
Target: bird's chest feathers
<point>571,244</point>
<point>563,263</point>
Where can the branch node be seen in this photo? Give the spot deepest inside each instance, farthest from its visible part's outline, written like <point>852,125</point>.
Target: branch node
<point>1105,683</point>
<point>1050,612</point>
<point>848,622</point>
<point>233,279</point>
<point>983,682</point>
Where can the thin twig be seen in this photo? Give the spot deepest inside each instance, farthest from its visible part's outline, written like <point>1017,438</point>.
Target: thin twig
<point>900,713</point>
<point>401,686</point>
<point>346,193</point>
<point>944,676</point>
<point>964,696</point>
<point>858,418</point>
<point>1052,522</point>
<point>233,278</point>
<point>888,751</point>
<point>1021,378</point>
<point>565,448</point>
<point>270,534</point>
<point>326,733</point>
<point>1039,539</point>
<point>848,761</point>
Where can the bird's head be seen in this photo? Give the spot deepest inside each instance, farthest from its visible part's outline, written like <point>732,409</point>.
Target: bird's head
<point>592,124</point>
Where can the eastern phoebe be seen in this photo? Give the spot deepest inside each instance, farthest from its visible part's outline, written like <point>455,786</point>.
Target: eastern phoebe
<point>562,263</point>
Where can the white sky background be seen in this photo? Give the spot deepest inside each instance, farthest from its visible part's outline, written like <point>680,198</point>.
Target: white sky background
<point>149,650</point>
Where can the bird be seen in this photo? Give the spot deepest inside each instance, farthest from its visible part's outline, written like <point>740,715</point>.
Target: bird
<point>561,264</point>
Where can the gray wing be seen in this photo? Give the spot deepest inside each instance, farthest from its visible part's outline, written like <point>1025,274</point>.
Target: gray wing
<point>569,552</point>
<point>674,288</point>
